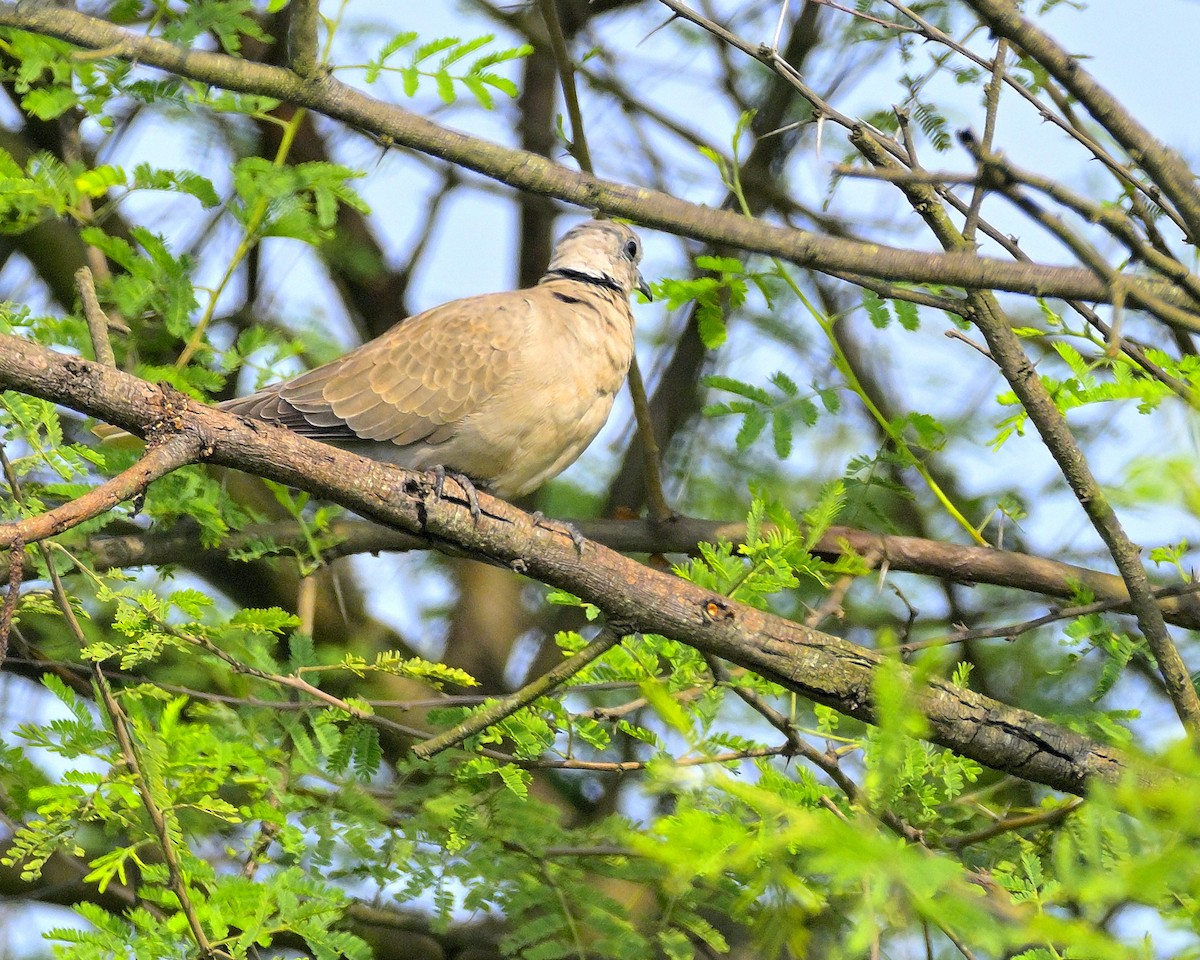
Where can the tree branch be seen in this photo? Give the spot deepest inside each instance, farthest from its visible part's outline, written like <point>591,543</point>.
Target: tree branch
<point>303,49</point>
<point>1165,166</point>
<point>535,174</point>
<point>930,558</point>
<point>1018,370</point>
<point>608,637</point>
<point>821,667</point>
<point>176,451</point>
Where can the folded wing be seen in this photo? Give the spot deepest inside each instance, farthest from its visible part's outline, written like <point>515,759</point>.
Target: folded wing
<point>413,384</point>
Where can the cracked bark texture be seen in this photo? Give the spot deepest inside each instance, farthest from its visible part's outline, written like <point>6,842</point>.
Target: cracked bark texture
<point>824,668</point>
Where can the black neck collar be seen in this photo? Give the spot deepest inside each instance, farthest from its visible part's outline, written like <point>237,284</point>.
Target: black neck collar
<point>562,273</point>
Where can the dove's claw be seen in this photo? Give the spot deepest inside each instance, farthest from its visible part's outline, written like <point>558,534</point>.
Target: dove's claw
<point>576,536</point>
<point>440,473</point>
<point>472,497</point>
<point>565,526</point>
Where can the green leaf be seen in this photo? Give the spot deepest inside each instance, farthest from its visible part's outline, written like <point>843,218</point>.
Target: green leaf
<point>781,435</point>
<point>876,309</point>
<point>667,707</point>
<point>747,390</point>
<point>477,87</point>
<point>907,313</point>
<point>711,325</point>
<point>463,49</point>
<point>47,103</point>
<point>753,425</point>
<point>445,86</point>
<point>720,264</point>
<point>503,84</point>
<point>427,50</point>
<point>397,42</point>
<point>411,78</point>
<point>146,177</point>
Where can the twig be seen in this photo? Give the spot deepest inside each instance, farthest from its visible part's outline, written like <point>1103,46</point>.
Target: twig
<point>1122,286</point>
<point>130,753</point>
<point>892,291</point>
<point>1010,357</point>
<point>931,558</point>
<point>72,147</point>
<point>117,718</point>
<point>631,766</point>
<point>655,497</point>
<point>831,603</point>
<point>956,334</point>
<point>566,77</point>
<point>303,17</point>
<point>1009,631</point>
<point>160,459</point>
<point>1089,143</point>
<point>1111,218</point>
<point>899,175</point>
<point>97,321</point>
<point>608,637</point>
<point>821,667</point>
<point>1163,165</point>
<point>826,762</point>
<point>869,18</point>
<point>991,96</point>
<point>16,562</point>
<point>1043,818</point>
<point>528,171</point>
<point>16,567</point>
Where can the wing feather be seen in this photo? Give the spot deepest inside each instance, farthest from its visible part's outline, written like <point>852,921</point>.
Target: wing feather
<point>411,384</point>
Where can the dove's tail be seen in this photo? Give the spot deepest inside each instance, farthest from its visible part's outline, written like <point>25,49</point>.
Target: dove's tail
<point>114,437</point>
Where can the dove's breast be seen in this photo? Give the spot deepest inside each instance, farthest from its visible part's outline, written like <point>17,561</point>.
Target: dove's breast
<point>557,396</point>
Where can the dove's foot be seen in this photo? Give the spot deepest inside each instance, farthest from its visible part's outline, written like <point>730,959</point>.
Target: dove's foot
<point>440,474</point>
<point>565,526</point>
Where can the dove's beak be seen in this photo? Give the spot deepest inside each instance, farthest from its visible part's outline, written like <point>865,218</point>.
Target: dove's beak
<point>643,287</point>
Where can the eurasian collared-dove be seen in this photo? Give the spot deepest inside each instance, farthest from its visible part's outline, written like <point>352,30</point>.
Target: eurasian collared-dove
<point>505,388</point>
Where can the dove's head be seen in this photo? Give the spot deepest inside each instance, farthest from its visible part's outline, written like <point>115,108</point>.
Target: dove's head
<point>600,251</point>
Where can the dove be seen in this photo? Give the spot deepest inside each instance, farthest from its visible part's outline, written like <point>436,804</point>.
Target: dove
<point>503,389</point>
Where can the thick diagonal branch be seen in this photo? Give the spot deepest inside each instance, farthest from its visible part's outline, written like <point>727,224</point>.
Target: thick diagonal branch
<point>821,667</point>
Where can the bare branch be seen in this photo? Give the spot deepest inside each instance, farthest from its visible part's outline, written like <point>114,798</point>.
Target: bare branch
<point>159,460</point>
<point>303,52</point>
<point>527,171</point>
<point>930,558</point>
<point>608,637</point>
<point>1010,357</point>
<point>98,323</point>
<point>1165,166</point>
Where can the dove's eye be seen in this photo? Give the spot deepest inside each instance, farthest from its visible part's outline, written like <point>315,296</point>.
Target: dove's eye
<point>631,249</point>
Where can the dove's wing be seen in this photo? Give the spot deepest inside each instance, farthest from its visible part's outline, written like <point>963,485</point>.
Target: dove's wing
<point>412,384</point>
